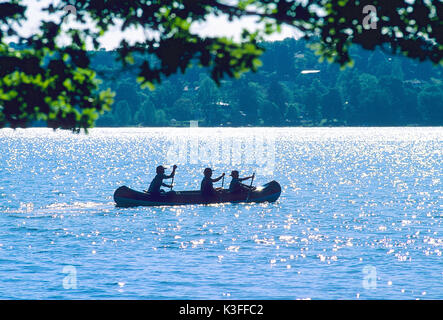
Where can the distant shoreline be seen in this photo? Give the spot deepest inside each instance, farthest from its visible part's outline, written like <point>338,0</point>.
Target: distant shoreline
<point>245,127</point>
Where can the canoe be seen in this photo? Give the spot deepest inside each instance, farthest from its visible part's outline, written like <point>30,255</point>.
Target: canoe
<point>127,197</point>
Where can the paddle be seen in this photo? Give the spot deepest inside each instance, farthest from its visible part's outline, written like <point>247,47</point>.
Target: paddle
<point>250,187</point>
<point>173,170</point>
<point>223,181</point>
<point>252,180</point>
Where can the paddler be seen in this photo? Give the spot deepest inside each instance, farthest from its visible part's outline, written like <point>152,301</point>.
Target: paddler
<point>236,185</point>
<point>206,187</point>
<point>157,182</point>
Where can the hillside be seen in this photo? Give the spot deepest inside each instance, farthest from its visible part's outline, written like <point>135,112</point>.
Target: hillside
<point>292,88</point>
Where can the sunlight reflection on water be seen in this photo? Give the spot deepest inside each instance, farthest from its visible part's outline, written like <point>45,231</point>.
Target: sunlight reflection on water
<point>351,198</point>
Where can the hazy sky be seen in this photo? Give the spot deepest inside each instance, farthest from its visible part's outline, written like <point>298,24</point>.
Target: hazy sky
<point>214,26</point>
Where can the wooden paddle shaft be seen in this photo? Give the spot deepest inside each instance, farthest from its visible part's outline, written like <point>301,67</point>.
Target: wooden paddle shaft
<point>252,180</point>
<point>172,182</point>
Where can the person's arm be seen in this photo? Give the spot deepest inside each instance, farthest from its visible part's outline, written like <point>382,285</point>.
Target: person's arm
<point>166,185</point>
<point>172,173</point>
<point>218,179</point>
<point>243,179</point>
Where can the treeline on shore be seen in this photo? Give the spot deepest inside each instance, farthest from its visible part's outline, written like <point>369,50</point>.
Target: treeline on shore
<point>292,88</point>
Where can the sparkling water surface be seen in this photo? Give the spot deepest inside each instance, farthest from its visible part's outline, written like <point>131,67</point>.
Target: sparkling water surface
<point>360,217</point>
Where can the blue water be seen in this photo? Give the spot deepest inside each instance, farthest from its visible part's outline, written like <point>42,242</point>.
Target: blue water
<point>360,216</point>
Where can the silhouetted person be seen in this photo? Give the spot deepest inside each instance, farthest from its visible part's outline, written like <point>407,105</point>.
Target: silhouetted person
<point>236,185</point>
<point>207,188</point>
<point>157,182</point>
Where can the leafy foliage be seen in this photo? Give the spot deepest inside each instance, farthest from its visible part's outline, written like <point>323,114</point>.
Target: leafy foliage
<point>41,80</point>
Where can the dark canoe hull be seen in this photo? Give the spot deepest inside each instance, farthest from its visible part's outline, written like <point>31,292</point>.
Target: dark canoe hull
<point>126,197</point>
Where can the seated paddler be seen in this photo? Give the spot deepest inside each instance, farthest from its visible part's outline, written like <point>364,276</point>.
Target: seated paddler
<point>157,182</point>
<point>206,187</point>
<point>236,185</point>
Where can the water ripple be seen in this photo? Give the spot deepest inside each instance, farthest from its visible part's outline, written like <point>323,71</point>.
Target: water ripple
<point>353,199</point>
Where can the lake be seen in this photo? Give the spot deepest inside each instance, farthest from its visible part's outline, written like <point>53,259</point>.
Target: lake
<point>360,215</point>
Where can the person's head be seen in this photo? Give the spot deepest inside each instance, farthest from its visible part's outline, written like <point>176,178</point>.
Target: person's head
<point>234,174</point>
<point>207,172</point>
<point>160,170</point>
